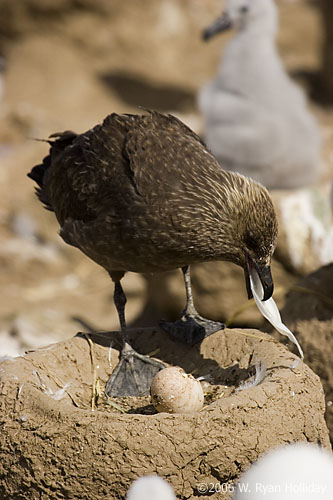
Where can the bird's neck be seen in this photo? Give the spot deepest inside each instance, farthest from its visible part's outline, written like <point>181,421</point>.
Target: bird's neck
<point>250,62</point>
<point>216,217</point>
<point>253,36</point>
<point>263,24</point>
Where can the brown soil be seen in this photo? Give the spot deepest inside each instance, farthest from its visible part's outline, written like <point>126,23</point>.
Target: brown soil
<point>309,313</point>
<point>62,449</point>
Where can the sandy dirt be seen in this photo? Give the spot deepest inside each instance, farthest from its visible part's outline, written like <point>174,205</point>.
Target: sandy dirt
<point>309,312</point>
<point>54,446</point>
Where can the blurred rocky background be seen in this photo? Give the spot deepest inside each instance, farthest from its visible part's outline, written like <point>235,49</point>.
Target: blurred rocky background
<point>66,65</point>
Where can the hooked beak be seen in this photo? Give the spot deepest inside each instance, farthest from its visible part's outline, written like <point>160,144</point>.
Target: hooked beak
<point>265,276</point>
<point>223,23</point>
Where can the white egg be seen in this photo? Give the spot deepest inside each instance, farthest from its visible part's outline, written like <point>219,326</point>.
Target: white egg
<point>174,391</point>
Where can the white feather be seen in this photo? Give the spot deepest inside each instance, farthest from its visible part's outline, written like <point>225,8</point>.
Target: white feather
<point>270,310</point>
<point>257,379</point>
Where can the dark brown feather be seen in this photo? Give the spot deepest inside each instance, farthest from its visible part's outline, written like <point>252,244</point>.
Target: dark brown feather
<point>142,193</point>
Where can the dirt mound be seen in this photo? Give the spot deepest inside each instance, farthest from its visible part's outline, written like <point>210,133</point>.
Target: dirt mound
<point>54,446</point>
<point>309,314</point>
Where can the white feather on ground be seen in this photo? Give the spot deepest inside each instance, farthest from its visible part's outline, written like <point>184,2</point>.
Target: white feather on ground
<point>57,395</point>
<point>150,488</point>
<point>256,119</point>
<point>256,379</point>
<point>294,472</point>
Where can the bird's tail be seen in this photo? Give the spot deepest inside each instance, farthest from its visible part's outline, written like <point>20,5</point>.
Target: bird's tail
<point>58,142</point>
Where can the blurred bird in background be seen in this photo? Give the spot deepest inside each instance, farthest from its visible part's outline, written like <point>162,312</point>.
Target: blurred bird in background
<point>256,119</point>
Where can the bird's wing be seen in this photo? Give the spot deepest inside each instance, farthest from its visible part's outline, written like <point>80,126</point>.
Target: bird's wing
<point>91,175</point>
<point>165,158</point>
<point>239,131</point>
<point>133,177</point>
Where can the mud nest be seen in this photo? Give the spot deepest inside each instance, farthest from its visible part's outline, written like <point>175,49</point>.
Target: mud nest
<point>61,438</point>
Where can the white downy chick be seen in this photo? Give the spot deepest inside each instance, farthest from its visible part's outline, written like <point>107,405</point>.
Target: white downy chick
<point>256,119</point>
<point>294,472</point>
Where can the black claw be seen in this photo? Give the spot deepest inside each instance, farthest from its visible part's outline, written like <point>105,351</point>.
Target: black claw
<point>133,375</point>
<point>191,329</point>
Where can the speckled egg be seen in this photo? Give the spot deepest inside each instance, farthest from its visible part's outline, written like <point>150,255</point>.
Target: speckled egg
<point>174,391</point>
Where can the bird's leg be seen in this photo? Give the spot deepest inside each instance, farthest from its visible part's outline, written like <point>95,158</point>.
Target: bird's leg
<point>192,327</point>
<point>189,309</point>
<point>120,300</point>
<point>134,372</point>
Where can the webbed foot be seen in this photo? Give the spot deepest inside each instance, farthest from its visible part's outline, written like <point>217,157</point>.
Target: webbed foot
<point>191,328</point>
<point>133,374</point>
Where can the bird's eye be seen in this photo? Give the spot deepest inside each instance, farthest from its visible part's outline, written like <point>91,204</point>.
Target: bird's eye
<point>243,9</point>
<point>251,242</point>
